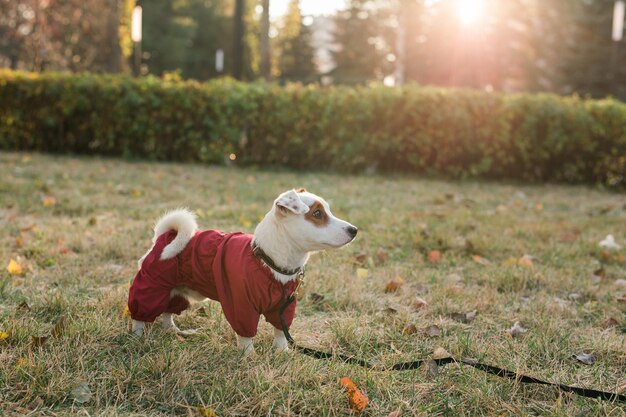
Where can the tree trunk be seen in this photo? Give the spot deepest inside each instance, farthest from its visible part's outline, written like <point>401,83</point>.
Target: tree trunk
<point>114,60</point>
<point>238,37</point>
<point>265,40</point>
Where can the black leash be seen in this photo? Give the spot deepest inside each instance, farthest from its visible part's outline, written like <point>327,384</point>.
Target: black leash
<point>406,366</point>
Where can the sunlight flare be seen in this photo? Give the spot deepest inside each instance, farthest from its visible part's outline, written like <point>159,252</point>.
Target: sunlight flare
<point>470,11</point>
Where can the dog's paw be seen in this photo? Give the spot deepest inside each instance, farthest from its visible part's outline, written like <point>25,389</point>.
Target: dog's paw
<point>137,328</point>
<point>284,349</point>
<point>280,346</point>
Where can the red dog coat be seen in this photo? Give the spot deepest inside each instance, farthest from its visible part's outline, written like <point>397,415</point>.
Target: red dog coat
<point>219,266</point>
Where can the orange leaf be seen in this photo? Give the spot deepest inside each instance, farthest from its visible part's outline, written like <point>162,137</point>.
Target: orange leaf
<point>481,260</point>
<point>49,201</point>
<point>394,285</point>
<point>525,261</point>
<point>434,256</point>
<point>14,268</point>
<point>409,329</point>
<point>381,256</point>
<point>358,401</point>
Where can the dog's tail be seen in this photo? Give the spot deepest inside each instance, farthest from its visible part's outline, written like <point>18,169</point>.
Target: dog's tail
<point>181,220</point>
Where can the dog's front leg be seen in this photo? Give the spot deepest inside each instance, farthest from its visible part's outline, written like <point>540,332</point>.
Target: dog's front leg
<point>245,345</point>
<point>138,327</point>
<point>280,342</point>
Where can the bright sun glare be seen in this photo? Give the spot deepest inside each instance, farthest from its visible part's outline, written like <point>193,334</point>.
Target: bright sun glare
<point>470,11</point>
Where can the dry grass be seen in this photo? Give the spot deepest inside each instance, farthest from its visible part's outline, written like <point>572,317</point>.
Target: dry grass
<point>80,254</point>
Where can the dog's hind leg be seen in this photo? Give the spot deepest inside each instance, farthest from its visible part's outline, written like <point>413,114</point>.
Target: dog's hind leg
<point>167,319</point>
<point>245,345</point>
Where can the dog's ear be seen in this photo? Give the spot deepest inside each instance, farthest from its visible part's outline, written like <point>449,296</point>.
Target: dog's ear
<point>290,201</point>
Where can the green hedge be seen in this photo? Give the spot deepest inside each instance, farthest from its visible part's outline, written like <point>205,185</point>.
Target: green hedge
<point>459,133</point>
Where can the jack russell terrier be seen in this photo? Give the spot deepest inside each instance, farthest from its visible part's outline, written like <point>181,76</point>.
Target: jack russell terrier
<point>250,275</point>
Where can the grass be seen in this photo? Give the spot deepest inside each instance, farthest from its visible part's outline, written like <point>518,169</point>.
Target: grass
<point>79,252</point>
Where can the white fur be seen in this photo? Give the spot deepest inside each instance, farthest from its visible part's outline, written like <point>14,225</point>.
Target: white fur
<point>181,220</point>
<point>284,234</point>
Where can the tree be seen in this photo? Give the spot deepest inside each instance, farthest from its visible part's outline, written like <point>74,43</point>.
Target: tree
<point>297,56</point>
<point>70,35</point>
<point>362,43</point>
<point>264,40</point>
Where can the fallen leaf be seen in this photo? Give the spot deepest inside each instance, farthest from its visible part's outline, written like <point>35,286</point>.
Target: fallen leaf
<point>610,322</point>
<point>39,340</point>
<point>464,317</point>
<point>316,298</point>
<point>586,358</point>
<point>621,298</point>
<point>574,296</point>
<point>454,277</point>
<point>3,335</point>
<point>434,256</point>
<point>48,201</point>
<point>441,353</point>
<point>358,401</point>
<point>362,273</point>
<point>81,393</point>
<point>361,258</point>
<point>569,237</point>
<point>396,413</point>
<point>510,262</point>
<point>431,368</point>
<point>517,330</point>
<point>14,268</point>
<point>23,306</point>
<point>59,326</point>
<point>126,312</point>
<point>419,303</point>
<point>244,221</point>
<point>62,248</point>
<point>609,243</point>
<point>390,310</point>
<point>394,285</point>
<point>538,207</point>
<point>481,260</point>
<point>409,329</point>
<point>525,261</point>
<point>381,256</point>
<point>433,331</point>
<point>206,412</point>
<point>19,241</point>
<point>136,193</point>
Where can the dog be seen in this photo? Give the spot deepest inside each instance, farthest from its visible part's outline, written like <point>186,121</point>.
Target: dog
<point>250,275</point>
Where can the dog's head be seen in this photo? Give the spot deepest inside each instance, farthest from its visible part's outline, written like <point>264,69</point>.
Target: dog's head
<point>308,220</point>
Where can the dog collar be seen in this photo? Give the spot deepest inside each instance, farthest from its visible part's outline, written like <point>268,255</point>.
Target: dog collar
<point>259,253</point>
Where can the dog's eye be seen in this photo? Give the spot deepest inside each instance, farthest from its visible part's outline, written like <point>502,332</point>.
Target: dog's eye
<point>317,214</point>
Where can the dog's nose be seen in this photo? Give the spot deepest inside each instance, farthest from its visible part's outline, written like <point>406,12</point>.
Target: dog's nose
<point>352,231</point>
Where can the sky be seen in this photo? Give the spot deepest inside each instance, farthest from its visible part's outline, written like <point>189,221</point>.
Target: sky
<point>308,7</point>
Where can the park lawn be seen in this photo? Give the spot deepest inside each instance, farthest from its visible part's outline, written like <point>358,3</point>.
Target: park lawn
<point>77,226</point>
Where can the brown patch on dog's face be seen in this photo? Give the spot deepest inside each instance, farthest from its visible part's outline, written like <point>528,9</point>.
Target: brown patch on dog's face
<point>317,215</point>
<point>300,190</point>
